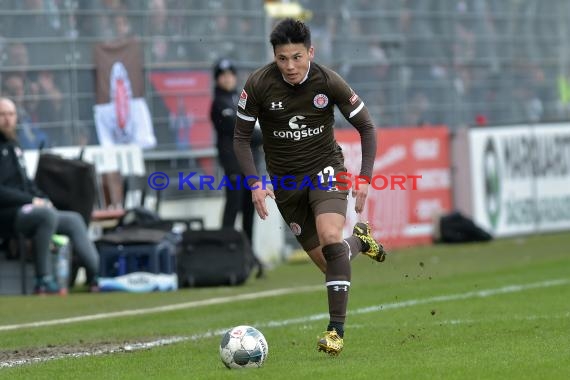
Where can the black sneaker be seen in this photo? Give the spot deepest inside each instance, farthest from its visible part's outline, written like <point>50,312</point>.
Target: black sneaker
<point>47,285</point>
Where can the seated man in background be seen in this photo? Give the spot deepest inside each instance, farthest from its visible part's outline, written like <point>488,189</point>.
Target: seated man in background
<point>23,208</point>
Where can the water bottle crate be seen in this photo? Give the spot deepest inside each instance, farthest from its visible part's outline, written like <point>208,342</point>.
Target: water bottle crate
<point>118,260</point>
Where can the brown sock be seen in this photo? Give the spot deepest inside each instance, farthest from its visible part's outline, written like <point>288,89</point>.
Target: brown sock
<point>337,279</point>
<point>355,245</point>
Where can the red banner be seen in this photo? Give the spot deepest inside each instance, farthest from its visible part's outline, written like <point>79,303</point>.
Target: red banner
<point>401,215</point>
<point>187,95</point>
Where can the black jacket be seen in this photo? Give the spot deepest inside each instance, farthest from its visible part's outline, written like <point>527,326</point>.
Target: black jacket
<point>223,116</point>
<point>16,189</point>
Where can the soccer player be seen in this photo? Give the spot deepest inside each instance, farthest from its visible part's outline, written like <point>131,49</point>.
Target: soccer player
<point>293,99</point>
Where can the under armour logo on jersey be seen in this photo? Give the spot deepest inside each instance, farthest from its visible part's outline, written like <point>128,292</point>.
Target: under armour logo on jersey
<point>276,106</point>
<point>338,288</point>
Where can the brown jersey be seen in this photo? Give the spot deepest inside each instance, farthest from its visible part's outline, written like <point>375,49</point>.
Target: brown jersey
<point>297,121</point>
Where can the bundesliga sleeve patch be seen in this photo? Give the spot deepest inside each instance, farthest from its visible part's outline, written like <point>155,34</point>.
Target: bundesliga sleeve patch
<point>353,99</point>
<point>242,99</point>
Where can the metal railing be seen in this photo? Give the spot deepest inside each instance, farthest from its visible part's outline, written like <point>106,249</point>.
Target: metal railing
<point>454,62</point>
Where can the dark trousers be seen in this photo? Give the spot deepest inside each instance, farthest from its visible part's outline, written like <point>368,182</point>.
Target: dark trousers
<point>239,200</point>
<point>40,223</point>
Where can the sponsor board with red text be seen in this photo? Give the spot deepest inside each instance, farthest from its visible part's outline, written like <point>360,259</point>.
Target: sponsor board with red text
<point>402,217</point>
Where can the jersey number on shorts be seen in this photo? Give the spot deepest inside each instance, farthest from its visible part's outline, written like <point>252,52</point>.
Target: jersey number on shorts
<point>326,175</point>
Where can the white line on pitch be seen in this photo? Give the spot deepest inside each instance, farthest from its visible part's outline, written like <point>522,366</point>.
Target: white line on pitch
<point>511,318</point>
<point>422,301</point>
<point>277,292</point>
<point>166,308</point>
<point>315,317</point>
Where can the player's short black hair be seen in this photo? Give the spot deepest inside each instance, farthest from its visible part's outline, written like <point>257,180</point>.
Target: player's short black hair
<point>290,31</point>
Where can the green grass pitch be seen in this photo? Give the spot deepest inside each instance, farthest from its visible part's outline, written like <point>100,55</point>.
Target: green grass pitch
<point>499,310</point>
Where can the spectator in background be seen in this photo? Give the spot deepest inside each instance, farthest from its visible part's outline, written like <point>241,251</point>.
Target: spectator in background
<point>42,19</point>
<point>37,95</point>
<point>223,116</point>
<point>30,135</point>
<point>416,112</point>
<point>24,208</point>
<point>49,112</point>
<point>22,86</point>
<point>163,30</point>
<point>18,60</point>
<point>94,19</point>
<point>50,99</point>
<point>122,25</point>
<point>376,69</point>
<point>104,19</point>
<point>181,122</point>
<point>248,52</point>
<point>24,93</point>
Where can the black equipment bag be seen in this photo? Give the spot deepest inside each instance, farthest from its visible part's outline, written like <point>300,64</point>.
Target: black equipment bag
<point>70,184</point>
<point>457,228</point>
<point>213,257</point>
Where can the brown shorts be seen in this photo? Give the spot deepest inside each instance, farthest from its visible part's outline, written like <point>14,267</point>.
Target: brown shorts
<point>299,206</point>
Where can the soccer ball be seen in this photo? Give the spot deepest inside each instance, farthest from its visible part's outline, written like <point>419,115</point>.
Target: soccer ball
<point>243,347</point>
